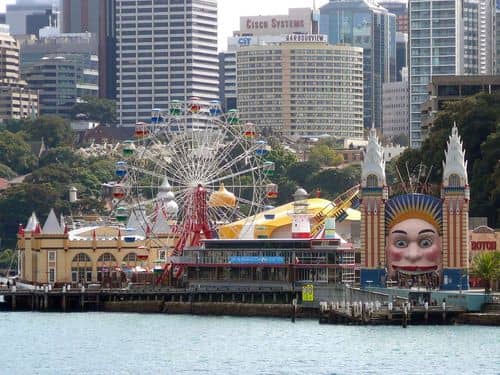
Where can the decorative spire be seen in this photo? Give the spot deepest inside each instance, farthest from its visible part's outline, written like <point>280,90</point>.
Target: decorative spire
<point>455,165</point>
<point>51,225</point>
<point>32,223</point>
<point>373,163</point>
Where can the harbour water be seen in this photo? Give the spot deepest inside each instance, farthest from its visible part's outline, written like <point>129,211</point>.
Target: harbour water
<point>116,343</point>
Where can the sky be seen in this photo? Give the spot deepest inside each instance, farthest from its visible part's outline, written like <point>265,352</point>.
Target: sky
<point>231,10</point>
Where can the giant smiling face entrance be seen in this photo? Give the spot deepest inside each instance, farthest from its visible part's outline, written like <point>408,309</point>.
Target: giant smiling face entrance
<point>413,244</point>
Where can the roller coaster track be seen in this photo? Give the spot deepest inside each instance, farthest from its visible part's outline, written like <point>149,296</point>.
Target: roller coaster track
<point>336,208</point>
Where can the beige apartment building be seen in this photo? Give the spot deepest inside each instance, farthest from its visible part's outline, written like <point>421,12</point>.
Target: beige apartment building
<point>16,99</point>
<point>302,87</point>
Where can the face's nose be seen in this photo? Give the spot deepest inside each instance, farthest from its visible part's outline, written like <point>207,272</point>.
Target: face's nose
<point>413,252</point>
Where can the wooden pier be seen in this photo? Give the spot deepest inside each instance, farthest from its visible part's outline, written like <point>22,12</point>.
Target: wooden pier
<point>359,313</point>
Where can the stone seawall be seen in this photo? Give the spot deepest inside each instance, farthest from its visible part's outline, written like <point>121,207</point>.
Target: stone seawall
<point>209,308</point>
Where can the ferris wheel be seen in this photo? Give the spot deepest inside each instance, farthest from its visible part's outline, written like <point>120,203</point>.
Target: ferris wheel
<point>190,170</point>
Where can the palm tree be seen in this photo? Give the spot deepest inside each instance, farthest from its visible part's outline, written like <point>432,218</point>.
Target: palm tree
<point>486,266</point>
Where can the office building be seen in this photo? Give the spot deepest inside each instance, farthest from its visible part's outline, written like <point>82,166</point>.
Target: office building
<point>444,89</point>
<point>400,9</point>
<point>401,54</point>
<point>395,107</point>
<point>443,40</point>
<point>33,49</point>
<point>164,51</point>
<point>364,23</point>
<point>80,16</point>
<point>16,99</point>
<point>260,30</point>
<point>497,38</point>
<point>302,86</point>
<point>63,80</point>
<point>28,16</point>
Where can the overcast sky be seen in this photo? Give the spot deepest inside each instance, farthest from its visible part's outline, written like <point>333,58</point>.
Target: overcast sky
<point>231,10</point>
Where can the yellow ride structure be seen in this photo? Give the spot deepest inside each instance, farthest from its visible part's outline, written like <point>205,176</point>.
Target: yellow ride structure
<point>277,222</point>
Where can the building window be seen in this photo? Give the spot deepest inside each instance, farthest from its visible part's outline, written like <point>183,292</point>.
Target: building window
<point>107,257</point>
<point>81,257</point>
<point>454,180</point>
<point>52,275</point>
<point>371,181</point>
<point>130,257</point>
<point>52,256</point>
<point>162,254</point>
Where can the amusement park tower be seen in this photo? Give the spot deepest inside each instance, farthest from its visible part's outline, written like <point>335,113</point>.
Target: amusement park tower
<point>455,195</point>
<point>374,194</point>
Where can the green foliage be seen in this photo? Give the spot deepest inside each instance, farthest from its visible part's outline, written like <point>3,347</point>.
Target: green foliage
<point>282,159</point>
<point>324,155</point>
<point>59,155</point>
<point>8,259</point>
<point>478,119</point>
<point>333,182</point>
<point>6,172</point>
<point>18,202</point>
<point>302,172</point>
<point>486,266</point>
<point>54,130</point>
<point>96,109</point>
<point>401,139</point>
<point>15,152</point>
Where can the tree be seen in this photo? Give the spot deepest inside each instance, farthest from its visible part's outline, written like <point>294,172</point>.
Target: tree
<point>401,139</point>
<point>486,266</point>
<point>18,202</point>
<point>54,130</point>
<point>477,118</point>
<point>6,172</point>
<point>325,156</point>
<point>302,172</point>
<point>15,153</point>
<point>282,159</point>
<point>96,109</point>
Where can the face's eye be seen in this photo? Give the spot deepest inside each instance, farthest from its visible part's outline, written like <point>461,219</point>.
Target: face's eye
<point>401,243</point>
<point>425,242</point>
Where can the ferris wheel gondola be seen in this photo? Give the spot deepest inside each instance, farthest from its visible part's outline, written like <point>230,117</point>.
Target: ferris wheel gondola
<point>194,169</point>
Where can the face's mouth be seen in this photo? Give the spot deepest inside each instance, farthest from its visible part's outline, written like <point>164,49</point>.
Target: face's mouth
<point>415,270</point>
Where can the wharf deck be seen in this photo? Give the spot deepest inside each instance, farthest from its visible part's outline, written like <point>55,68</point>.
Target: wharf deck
<point>400,315</point>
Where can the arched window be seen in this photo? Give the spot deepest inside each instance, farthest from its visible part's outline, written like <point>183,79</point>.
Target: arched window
<point>130,257</point>
<point>107,257</point>
<point>371,181</point>
<point>454,180</point>
<point>81,257</point>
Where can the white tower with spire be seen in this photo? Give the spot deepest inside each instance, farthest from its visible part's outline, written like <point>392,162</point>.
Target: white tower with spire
<point>455,194</point>
<point>373,196</point>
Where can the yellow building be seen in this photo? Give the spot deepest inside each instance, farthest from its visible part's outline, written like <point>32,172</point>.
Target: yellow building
<point>93,254</point>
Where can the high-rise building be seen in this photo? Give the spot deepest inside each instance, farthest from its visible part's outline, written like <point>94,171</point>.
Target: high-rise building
<point>302,87</point>
<point>164,51</point>
<point>260,30</point>
<point>80,16</point>
<point>364,23</point>
<point>486,36</point>
<point>497,38</point>
<point>443,40</point>
<point>16,99</point>
<point>107,49</point>
<point>32,50</point>
<point>400,9</point>
<point>395,107</point>
<point>28,16</point>
<point>62,80</point>
<point>401,54</point>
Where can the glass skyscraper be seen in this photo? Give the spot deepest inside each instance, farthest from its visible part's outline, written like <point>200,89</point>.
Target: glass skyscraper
<point>363,23</point>
<point>443,40</point>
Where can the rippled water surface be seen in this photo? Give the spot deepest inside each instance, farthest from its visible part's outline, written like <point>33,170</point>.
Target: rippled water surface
<point>113,343</point>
